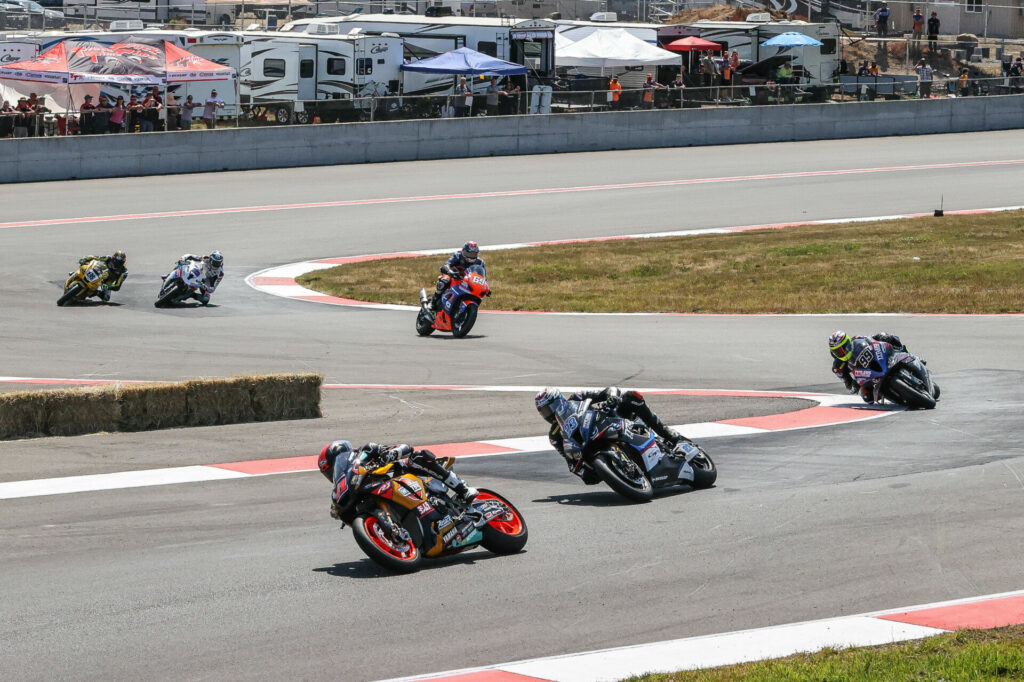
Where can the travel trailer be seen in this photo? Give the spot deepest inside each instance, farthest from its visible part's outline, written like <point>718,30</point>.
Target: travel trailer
<point>746,37</point>
<point>204,12</point>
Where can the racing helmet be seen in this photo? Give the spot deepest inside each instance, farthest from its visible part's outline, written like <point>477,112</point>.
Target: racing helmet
<point>470,252</point>
<point>119,258</point>
<point>217,259</point>
<point>330,453</point>
<point>549,402</point>
<point>840,345</point>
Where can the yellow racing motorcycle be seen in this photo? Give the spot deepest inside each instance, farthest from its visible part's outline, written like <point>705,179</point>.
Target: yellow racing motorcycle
<point>85,282</point>
<point>399,517</point>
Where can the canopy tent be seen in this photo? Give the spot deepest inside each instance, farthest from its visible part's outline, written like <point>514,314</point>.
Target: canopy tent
<point>465,61</point>
<point>139,62</point>
<point>613,47</point>
<point>693,44</point>
<point>561,42</point>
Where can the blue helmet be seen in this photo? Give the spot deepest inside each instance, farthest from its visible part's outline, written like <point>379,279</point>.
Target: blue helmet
<point>470,252</point>
<point>550,403</point>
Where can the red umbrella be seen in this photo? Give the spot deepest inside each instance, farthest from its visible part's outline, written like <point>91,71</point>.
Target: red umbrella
<point>693,44</point>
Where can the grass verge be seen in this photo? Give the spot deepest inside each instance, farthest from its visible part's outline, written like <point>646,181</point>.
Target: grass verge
<point>955,264</point>
<point>144,407</point>
<point>967,655</point>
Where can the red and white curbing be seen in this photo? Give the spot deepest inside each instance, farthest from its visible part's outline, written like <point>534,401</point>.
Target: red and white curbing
<point>281,280</point>
<point>829,410</point>
<point>692,653</point>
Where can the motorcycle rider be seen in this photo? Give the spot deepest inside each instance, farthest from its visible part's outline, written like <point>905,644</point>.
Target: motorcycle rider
<point>374,455</point>
<point>455,267</point>
<point>848,350</point>
<point>116,272</point>
<point>555,409</point>
<point>213,273</point>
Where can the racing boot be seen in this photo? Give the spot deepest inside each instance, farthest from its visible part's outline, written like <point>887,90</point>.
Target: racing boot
<point>435,302</point>
<point>104,294</point>
<point>464,492</point>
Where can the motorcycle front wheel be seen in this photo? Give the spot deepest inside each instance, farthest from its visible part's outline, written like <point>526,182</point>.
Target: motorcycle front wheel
<point>623,476</point>
<point>464,321</point>
<point>376,542</point>
<point>167,295</point>
<point>704,471</point>
<point>70,294</point>
<point>505,534</point>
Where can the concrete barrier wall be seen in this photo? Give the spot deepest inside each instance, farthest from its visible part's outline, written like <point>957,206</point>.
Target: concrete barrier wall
<point>27,160</point>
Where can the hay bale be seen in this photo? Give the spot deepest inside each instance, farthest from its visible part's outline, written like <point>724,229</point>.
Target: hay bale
<point>76,411</point>
<point>144,407</point>
<point>219,401</point>
<point>286,396</point>
<point>22,414</point>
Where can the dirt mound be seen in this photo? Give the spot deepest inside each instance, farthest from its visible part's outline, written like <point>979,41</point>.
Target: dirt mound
<point>721,13</point>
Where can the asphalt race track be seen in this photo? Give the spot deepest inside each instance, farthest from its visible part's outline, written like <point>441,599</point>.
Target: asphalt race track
<point>251,579</point>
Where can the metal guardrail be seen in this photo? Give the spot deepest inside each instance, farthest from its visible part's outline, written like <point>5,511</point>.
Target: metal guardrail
<point>538,102</point>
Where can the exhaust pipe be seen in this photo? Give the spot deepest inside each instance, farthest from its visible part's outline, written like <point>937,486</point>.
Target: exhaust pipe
<point>423,298</point>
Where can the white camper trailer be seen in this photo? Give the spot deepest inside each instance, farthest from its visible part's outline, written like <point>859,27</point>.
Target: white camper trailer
<point>746,37</point>
<point>206,12</point>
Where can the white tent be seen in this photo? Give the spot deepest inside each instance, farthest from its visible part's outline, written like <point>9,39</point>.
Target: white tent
<point>561,43</point>
<point>613,47</point>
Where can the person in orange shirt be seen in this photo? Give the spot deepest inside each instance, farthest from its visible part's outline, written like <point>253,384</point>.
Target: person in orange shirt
<point>615,88</point>
<point>650,85</point>
<point>873,70</point>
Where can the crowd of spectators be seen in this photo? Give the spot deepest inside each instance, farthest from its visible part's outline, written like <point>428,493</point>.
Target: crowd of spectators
<point>103,116</point>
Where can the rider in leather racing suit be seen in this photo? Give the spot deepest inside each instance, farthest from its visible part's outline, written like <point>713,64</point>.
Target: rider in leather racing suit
<point>847,350</point>
<point>376,455</point>
<point>554,407</point>
<point>116,272</point>
<point>213,273</point>
<point>455,267</point>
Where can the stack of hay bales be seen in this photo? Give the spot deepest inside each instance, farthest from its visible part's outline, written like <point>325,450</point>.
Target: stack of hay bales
<point>148,406</point>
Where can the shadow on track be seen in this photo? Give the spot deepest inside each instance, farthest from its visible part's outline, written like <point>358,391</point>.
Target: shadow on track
<point>365,568</point>
<point>608,498</point>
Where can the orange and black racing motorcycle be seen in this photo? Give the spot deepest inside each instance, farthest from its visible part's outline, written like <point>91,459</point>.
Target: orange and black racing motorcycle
<point>400,516</point>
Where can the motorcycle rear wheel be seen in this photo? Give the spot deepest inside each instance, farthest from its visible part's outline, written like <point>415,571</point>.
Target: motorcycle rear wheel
<point>424,323</point>
<point>464,321</point>
<point>910,396</point>
<point>609,467</point>
<point>372,538</point>
<point>503,535</point>
<point>70,294</point>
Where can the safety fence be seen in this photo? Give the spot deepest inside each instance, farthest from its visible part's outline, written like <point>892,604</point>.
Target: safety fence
<point>541,100</point>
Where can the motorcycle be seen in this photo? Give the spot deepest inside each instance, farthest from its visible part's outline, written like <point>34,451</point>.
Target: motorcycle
<point>630,458</point>
<point>398,517</point>
<point>185,279</point>
<point>898,376</point>
<point>459,305</point>
<point>84,282</point>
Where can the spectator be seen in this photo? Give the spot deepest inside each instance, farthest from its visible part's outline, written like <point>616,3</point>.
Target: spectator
<point>614,92</point>
<point>87,117</point>
<point>925,73</point>
<point>873,69</point>
<point>510,101</point>
<point>463,99</point>
<point>101,122</point>
<point>23,121</point>
<point>1016,73</point>
<point>134,113</point>
<point>493,91</point>
<point>710,70</point>
<point>7,115</point>
<point>933,32</point>
<point>784,76</point>
<point>863,70</point>
<point>882,19</point>
<point>734,61</point>
<point>151,107</point>
<point>675,91</point>
<point>186,113</point>
<point>962,83</point>
<point>173,112</point>
<point>117,116</point>
<point>918,28</point>
<point>210,110</point>
<point>650,85</point>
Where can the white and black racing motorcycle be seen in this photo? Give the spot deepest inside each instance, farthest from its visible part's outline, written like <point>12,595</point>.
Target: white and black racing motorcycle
<point>185,279</point>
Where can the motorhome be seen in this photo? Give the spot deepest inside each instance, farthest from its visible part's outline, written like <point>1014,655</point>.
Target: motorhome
<point>199,12</point>
<point>524,41</point>
<point>746,38</point>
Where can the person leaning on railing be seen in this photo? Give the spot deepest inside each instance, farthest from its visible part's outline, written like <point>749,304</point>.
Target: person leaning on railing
<point>7,115</point>
<point>615,90</point>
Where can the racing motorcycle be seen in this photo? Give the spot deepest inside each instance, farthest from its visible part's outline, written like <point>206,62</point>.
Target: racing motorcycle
<point>459,305</point>
<point>629,457</point>
<point>84,282</point>
<point>399,517</point>
<point>897,376</point>
<point>185,279</point>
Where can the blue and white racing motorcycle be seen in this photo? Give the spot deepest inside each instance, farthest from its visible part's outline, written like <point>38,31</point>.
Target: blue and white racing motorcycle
<point>629,457</point>
<point>895,375</point>
<point>185,279</point>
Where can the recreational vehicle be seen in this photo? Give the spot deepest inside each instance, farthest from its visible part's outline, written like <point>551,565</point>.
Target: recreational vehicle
<point>746,37</point>
<point>524,41</point>
<point>201,12</point>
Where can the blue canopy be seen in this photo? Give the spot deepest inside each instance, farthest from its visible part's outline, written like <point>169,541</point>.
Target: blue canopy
<point>465,61</point>
<point>791,39</point>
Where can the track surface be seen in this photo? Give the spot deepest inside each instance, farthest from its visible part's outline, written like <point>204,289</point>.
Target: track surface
<point>250,579</point>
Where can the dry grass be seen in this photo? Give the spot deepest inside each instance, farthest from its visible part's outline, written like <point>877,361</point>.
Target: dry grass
<point>143,407</point>
<point>964,656</point>
<point>968,264</point>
